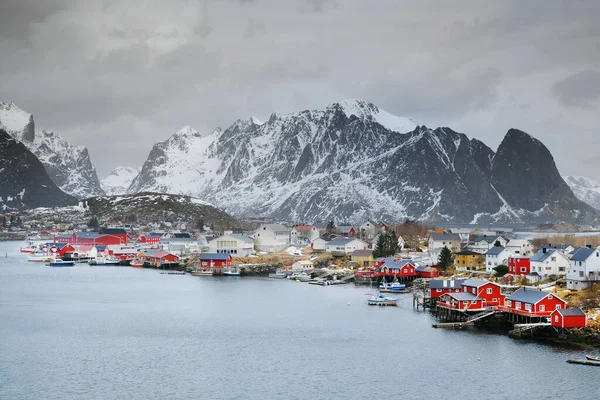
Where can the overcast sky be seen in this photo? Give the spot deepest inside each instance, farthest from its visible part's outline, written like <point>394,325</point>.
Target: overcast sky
<point>117,76</point>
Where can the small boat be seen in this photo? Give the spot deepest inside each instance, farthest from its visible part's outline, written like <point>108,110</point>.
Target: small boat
<point>593,358</point>
<point>300,276</point>
<point>136,263</point>
<point>394,287</point>
<point>40,257</point>
<point>203,272</point>
<point>106,261</point>
<point>231,271</point>
<point>381,300</point>
<point>59,262</point>
<point>29,248</point>
<point>278,275</point>
<point>172,272</point>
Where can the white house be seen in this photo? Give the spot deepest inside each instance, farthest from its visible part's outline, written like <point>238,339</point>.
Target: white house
<point>319,244</point>
<point>271,237</point>
<point>302,235</point>
<point>437,241</point>
<point>235,244</point>
<point>463,233</point>
<point>482,243</point>
<point>495,256</point>
<point>549,262</point>
<point>344,246</point>
<point>584,268</point>
<point>520,247</point>
<point>302,265</point>
<point>367,230</point>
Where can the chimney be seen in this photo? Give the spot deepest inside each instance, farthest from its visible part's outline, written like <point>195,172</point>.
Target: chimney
<point>589,246</point>
<point>544,249</point>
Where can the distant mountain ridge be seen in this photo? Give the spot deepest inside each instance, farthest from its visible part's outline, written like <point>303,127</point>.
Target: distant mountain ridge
<point>69,166</point>
<point>353,161</point>
<point>119,180</point>
<point>24,182</point>
<point>585,189</point>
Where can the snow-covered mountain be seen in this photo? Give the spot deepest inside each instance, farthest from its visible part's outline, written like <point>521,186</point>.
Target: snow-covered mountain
<point>119,180</point>
<point>353,161</point>
<point>586,190</point>
<point>24,181</point>
<point>69,166</point>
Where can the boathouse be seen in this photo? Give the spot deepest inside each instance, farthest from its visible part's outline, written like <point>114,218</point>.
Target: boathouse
<point>60,249</point>
<point>215,260</point>
<point>93,238</point>
<point>439,287</point>
<point>490,292</point>
<point>159,257</point>
<point>461,301</point>
<point>118,232</point>
<point>533,303</point>
<point>427,272</point>
<point>397,268</point>
<point>151,238</point>
<point>568,318</point>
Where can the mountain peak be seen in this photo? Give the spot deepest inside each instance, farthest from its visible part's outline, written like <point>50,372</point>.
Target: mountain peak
<point>17,122</point>
<point>186,130</point>
<point>366,111</point>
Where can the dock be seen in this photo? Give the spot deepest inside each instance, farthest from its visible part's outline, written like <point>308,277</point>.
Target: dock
<point>585,362</point>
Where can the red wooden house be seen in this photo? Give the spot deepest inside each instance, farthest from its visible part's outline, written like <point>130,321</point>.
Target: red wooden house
<point>439,287</point>
<point>94,238</point>
<point>533,303</point>
<point>215,260</point>
<point>118,232</point>
<point>151,238</point>
<point>490,292</point>
<point>568,318</point>
<point>60,249</point>
<point>518,265</point>
<point>159,257</point>
<point>347,231</point>
<point>462,301</point>
<point>427,272</point>
<point>395,267</point>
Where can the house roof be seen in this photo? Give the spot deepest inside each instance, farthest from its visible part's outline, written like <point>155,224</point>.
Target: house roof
<point>113,231</point>
<point>345,228</point>
<point>467,253</point>
<point>214,256</point>
<point>582,253</point>
<point>542,255</point>
<point>475,282</point>
<point>444,236</point>
<point>303,228</point>
<point>446,283</point>
<point>571,312</point>
<point>362,253</point>
<point>423,268</point>
<point>242,237</point>
<point>277,228</point>
<point>340,241</point>
<point>530,296</point>
<point>463,296</point>
<point>304,262</point>
<point>88,235</point>
<point>487,238</point>
<point>59,246</point>
<point>494,251</point>
<point>395,263</point>
<point>182,235</point>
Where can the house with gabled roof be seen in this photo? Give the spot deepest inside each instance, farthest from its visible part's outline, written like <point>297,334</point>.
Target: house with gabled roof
<point>482,243</point>
<point>344,246</point>
<point>490,292</point>
<point>367,230</point>
<point>271,237</point>
<point>363,258</point>
<point>439,287</point>
<point>461,301</point>
<point>584,268</point>
<point>238,245</point>
<point>520,247</point>
<point>215,260</point>
<point>303,234</point>
<point>468,260</point>
<point>568,318</point>
<point>496,256</point>
<point>346,231</point>
<point>437,241</point>
<point>548,262</point>
<point>532,302</point>
<point>397,268</point>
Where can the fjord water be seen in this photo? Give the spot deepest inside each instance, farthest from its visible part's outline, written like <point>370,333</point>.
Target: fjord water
<point>126,333</point>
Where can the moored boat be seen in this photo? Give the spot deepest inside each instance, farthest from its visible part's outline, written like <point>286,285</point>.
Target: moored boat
<point>231,271</point>
<point>105,261</point>
<point>381,300</point>
<point>393,287</point>
<point>59,262</point>
<point>300,276</point>
<point>39,257</point>
<point>203,272</point>
<point>592,358</point>
<point>28,247</point>
<point>280,274</point>
<point>135,263</point>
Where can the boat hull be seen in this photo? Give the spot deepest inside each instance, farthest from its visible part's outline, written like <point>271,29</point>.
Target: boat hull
<point>63,264</point>
<point>592,358</point>
<point>382,303</point>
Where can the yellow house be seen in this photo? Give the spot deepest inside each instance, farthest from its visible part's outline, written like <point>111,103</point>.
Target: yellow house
<point>363,258</point>
<point>469,261</point>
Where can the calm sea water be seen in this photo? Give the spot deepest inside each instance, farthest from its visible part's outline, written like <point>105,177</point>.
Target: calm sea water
<point>126,333</point>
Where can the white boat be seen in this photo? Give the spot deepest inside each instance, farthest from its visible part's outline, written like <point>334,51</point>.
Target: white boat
<point>28,247</point>
<point>381,300</point>
<point>393,287</point>
<point>203,272</point>
<point>300,276</point>
<point>231,271</point>
<point>106,261</point>
<point>280,274</point>
<point>40,257</point>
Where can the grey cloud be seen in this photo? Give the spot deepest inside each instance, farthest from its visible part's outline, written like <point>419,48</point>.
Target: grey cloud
<point>579,89</point>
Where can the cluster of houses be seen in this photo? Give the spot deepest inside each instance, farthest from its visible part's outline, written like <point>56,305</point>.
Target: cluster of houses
<point>474,295</point>
<point>580,266</point>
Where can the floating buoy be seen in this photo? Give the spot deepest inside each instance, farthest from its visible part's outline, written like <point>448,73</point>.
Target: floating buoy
<point>298,280</point>
<point>348,304</point>
<point>478,359</point>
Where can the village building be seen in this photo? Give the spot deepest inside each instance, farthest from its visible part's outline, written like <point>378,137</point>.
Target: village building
<point>437,241</point>
<point>423,271</point>
<point>150,238</point>
<point>346,231</point>
<point>215,260</point>
<point>468,260</point>
<point>362,258</point>
<point>302,235</point>
<point>568,318</point>
<point>496,256</point>
<point>302,266</point>
<point>548,262</point>
<point>461,301</point>
<point>519,265</point>
<point>271,238</point>
<point>159,258</point>
<point>367,231</point>
<point>393,267</point>
<point>482,243</point>
<point>94,238</point>
<point>60,250</point>
<point>236,244</point>
<point>520,247</point>
<point>318,245</point>
<point>489,292</point>
<point>439,287</point>
<point>533,303</point>
<point>463,233</point>
<point>121,233</point>
<point>344,246</point>
<point>584,268</point>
